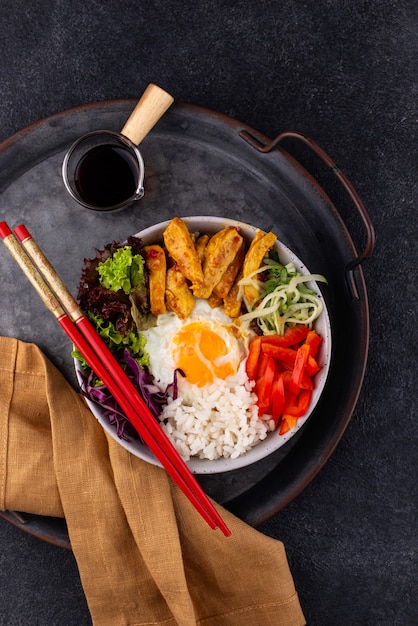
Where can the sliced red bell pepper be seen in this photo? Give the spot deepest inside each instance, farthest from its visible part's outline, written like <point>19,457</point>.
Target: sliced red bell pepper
<point>312,366</point>
<point>287,356</point>
<point>306,382</point>
<point>277,399</point>
<point>286,423</point>
<point>263,387</point>
<point>313,340</point>
<point>251,364</point>
<point>291,337</point>
<point>262,364</point>
<point>286,375</point>
<point>299,368</point>
<point>283,367</point>
<point>298,405</point>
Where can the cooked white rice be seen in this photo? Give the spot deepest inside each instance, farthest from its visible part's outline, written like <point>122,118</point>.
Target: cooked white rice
<point>218,421</point>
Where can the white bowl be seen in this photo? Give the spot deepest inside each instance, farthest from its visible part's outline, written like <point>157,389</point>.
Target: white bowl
<point>273,441</point>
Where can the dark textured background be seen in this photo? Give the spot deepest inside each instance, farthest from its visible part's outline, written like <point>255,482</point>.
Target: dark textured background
<point>346,73</point>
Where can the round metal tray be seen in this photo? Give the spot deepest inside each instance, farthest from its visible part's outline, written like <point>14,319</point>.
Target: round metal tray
<point>197,162</point>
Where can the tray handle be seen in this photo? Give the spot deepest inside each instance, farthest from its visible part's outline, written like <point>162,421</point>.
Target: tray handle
<point>264,147</point>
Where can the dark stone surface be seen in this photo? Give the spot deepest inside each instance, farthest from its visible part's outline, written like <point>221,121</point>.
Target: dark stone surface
<point>344,73</point>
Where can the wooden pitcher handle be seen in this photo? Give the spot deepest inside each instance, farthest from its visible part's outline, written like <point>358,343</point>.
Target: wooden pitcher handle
<point>150,108</point>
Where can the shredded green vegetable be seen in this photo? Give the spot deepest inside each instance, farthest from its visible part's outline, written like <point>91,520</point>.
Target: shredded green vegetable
<point>285,299</point>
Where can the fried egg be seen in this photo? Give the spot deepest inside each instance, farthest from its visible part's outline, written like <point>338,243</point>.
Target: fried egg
<point>207,346</point>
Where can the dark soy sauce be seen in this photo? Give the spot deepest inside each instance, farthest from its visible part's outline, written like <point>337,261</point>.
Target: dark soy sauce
<point>107,175</point>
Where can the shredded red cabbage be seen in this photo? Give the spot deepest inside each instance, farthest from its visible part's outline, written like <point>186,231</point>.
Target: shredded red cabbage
<point>111,410</point>
<point>142,380</point>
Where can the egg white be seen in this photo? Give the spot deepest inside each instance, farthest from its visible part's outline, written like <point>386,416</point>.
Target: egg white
<point>160,340</point>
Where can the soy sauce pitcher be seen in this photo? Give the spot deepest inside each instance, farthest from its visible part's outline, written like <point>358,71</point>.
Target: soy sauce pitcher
<point>104,170</point>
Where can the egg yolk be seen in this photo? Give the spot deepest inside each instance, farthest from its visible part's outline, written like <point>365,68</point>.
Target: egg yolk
<point>202,354</point>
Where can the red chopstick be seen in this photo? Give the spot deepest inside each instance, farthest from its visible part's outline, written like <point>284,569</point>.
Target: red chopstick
<point>103,363</point>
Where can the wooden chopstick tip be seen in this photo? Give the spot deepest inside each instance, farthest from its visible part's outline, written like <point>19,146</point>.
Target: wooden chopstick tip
<point>22,233</point>
<point>5,230</point>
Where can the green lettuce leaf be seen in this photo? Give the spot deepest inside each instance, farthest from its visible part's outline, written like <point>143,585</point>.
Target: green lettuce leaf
<point>122,271</point>
<point>133,340</point>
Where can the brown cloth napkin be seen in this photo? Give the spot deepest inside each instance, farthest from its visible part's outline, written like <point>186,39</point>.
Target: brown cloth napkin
<point>145,556</point>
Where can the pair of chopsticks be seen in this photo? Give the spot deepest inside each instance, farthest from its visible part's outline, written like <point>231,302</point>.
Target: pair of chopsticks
<point>59,301</point>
